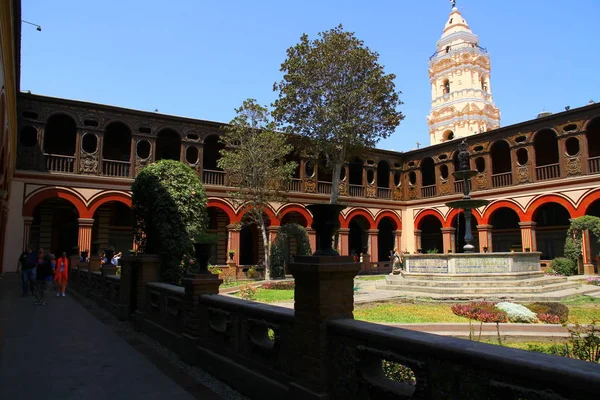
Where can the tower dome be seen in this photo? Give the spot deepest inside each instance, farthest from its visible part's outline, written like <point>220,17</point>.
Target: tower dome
<point>459,72</point>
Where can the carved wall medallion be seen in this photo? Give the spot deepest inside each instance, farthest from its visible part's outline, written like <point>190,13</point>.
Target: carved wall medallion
<point>573,166</point>
<point>371,191</point>
<point>480,182</point>
<point>88,163</point>
<point>235,179</point>
<point>140,164</point>
<point>343,189</point>
<point>444,188</point>
<point>523,174</point>
<point>412,193</point>
<point>310,186</point>
<point>397,193</point>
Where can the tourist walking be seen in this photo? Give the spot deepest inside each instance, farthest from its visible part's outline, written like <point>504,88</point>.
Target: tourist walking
<point>61,275</point>
<point>43,272</point>
<point>28,261</point>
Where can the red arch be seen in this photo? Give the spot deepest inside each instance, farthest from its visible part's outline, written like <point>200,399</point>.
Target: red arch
<point>105,198</point>
<point>587,201</point>
<point>296,208</point>
<point>426,213</point>
<point>549,198</point>
<point>272,217</point>
<point>223,206</point>
<point>356,212</point>
<point>388,214</point>
<point>487,215</point>
<point>455,212</point>
<point>39,197</point>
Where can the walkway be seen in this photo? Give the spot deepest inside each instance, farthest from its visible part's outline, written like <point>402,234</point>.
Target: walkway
<point>62,351</point>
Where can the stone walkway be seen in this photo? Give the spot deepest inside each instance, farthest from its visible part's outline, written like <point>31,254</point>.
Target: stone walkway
<point>62,351</point>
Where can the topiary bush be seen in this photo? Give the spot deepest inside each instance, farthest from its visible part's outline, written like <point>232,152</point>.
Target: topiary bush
<point>169,204</point>
<point>564,266</point>
<point>284,233</point>
<point>553,308</point>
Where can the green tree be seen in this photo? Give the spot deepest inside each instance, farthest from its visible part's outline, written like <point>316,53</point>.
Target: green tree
<point>335,93</point>
<point>169,204</point>
<point>254,157</point>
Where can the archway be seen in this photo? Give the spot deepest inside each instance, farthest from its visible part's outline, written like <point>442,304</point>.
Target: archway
<point>458,222</point>
<point>55,227</point>
<point>501,164</point>
<point>217,223</point>
<point>506,233</point>
<point>212,153</point>
<point>431,234</point>
<point>113,227</point>
<point>116,150</point>
<point>594,210</point>
<point>427,172</point>
<point>168,145</point>
<point>357,237</point>
<point>293,217</point>
<point>593,144</point>
<point>385,238</point>
<point>552,224</point>
<point>546,155</point>
<point>355,168</point>
<point>60,135</point>
<point>282,251</point>
<point>324,173</point>
<point>252,250</point>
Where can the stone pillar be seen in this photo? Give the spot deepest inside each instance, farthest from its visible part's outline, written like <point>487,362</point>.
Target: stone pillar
<point>398,240</point>
<point>95,263</point>
<point>312,238</point>
<point>27,221</point>
<point>343,241</point>
<point>272,233</point>
<point>448,240</point>
<point>46,219</point>
<point>586,251</point>
<point>103,229</point>
<point>417,239</point>
<point>485,237</point>
<point>323,292</point>
<point>195,314</point>
<point>84,241</point>
<point>233,231</point>
<point>373,244</point>
<point>528,239</point>
<point>148,270</point>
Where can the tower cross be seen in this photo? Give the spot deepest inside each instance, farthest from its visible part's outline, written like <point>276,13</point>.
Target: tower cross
<point>453,3</point>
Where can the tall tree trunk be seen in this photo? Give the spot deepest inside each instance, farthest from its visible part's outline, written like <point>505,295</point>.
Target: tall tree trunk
<point>265,237</point>
<point>335,182</point>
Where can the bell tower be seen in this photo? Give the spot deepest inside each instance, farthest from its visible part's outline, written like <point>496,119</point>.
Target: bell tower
<point>461,93</point>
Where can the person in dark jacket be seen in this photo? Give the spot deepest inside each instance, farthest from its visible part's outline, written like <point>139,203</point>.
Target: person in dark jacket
<point>28,261</point>
<point>44,272</point>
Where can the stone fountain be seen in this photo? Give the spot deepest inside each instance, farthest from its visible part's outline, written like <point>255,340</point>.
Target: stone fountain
<point>467,204</point>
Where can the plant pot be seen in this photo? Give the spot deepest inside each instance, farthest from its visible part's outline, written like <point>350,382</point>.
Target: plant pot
<point>202,251</point>
<point>326,223</point>
<point>231,256</point>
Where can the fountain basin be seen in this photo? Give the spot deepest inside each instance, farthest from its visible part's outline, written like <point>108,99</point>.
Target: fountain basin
<point>472,263</point>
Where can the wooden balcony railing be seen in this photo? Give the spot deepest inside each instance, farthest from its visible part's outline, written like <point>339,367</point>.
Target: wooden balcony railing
<point>594,165</point>
<point>356,190</point>
<point>324,187</point>
<point>295,185</point>
<point>384,193</point>
<point>545,172</point>
<point>503,179</point>
<point>115,168</point>
<point>216,178</point>
<point>59,163</point>
<point>428,191</point>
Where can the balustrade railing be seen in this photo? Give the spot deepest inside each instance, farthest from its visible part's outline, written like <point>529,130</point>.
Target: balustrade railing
<point>59,163</point>
<point>545,172</point>
<point>295,185</point>
<point>503,179</point>
<point>384,193</point>
<point>594,165</point>
<point>356,190</point>
<point>459,186</point>
<point>115,168</point>
<point>324,187</point>
<point>216,178</point>
<point>428,191</point>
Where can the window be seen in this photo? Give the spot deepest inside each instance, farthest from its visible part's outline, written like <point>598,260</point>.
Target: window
<point>446,86</point>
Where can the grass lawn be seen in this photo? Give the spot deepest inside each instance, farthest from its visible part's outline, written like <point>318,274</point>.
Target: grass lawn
<point>273,296</point>
<point>370,277</point>
<point>226,285</point>
<point>406,313</point>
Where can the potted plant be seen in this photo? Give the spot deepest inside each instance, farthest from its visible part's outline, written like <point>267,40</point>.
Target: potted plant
<point>485,249</point>
<point>202,246</point>
<point>527,249</point>
<point>231,253</point>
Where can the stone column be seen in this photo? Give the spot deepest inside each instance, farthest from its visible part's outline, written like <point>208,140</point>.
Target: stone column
<point>417,239</point>
<point>323,292</point>
<point>448,240</point>
<point>103,229</point>
<point>27,221</point>
<point>272,233</point>
<point>343,241</point>
<point>586,251</point>
<point>312,238</point>
<point>528,239</point>
<point>84,241</point>
<point>373,244</point>
<point>233,232</point>
<point>149,266</point>
<point>485,237</point>
<point>195,314</point>
<point>398,240</point>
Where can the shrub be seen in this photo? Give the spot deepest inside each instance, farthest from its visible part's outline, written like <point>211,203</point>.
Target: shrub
<point>548,318</point>
<point>558,309</point>
<point>517,312</point>
<point>552,272</point>
<point>274,285</point>
<point>248,292</point>
<point>593,281</point>
<point>564,266</point>
<point>398,373</point>
<point>253,273</point>
<point>553,349</point>
<point>169,204</point>
<point>215,270</point>
<point>282,242</point>
<point>585,343</point>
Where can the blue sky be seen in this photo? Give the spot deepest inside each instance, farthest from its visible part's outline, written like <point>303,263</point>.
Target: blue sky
<point>201,59</point>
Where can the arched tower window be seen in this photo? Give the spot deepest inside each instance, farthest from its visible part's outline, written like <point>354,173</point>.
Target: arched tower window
<point>484,85</point>
<point>446,86</point>
<point>448,135</point>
